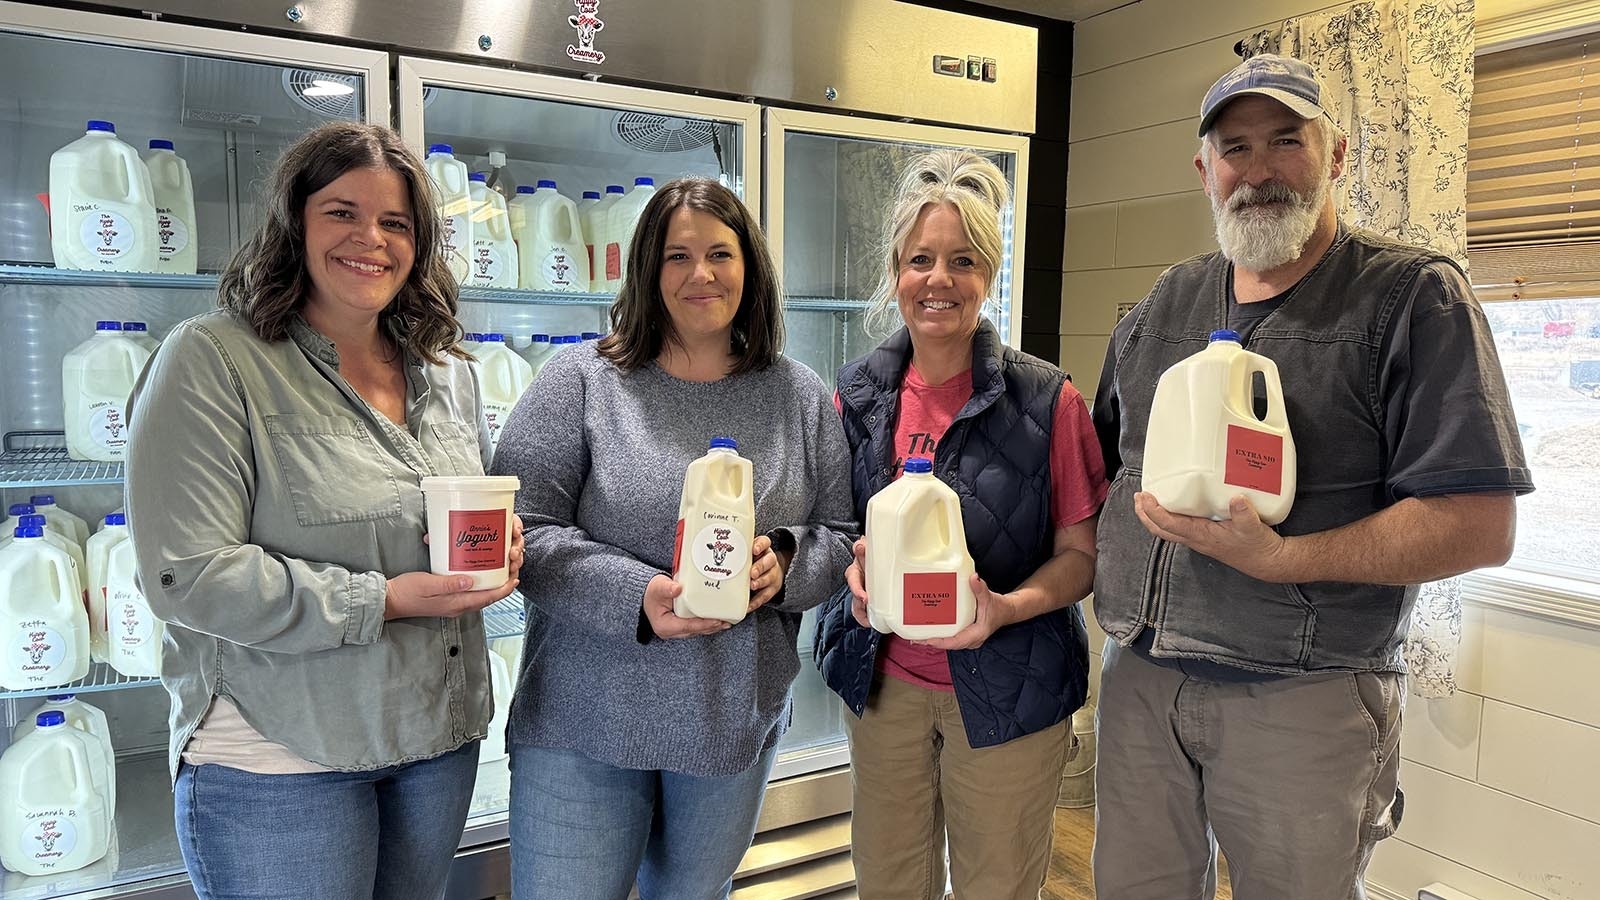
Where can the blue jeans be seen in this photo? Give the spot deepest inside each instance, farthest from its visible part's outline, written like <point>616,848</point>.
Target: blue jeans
<point>388,834</point>
<point>582,830</point>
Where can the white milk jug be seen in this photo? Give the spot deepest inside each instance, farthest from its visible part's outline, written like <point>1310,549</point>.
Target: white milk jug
<point>16,512</point>
<point>102,205</point>
<point>80,571</point>
<point>133,633</point>
<point>621,219</point>
<point>919,574</point>
<point>595,220</point>
<point>502,377</point>
<point>1204,444</point>
<point>92,722</point>
<point>98,553</point>
<point>455,205</point>
<point>517,209</point>
<point>66,523</point>
<point>494,253</point>
<point>43,625</point>
<point>470,342</point>
<point>494,744</point>
<point>550,251</point>
<point>139,333</point>
<point>716,525</point>
<point>96,378</point>
<point>176,249</point>
<point>538,350</point>
<point>53,818</point>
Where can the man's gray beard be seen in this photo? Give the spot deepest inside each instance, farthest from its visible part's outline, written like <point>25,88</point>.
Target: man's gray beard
<point>1262,238</point>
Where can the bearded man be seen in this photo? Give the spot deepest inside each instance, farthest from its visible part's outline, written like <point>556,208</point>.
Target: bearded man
<point>1252,685</point>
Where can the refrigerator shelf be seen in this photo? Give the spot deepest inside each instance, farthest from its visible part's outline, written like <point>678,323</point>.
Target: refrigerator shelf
<point>39,459</point>
<point>825,304</point>
<point>101,677</point>
<point>504,619</point>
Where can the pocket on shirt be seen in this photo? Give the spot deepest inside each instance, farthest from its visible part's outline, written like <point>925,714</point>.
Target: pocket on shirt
<point>459,443</point>
<point>334,470</point>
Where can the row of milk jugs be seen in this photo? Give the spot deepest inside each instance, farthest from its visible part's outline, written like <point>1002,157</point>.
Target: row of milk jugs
<point>541,240</point>
<point>58,789</point>
<point>504,374</point>
<point>68,598</point>
<point>97,376</point>
<point>112,210</point>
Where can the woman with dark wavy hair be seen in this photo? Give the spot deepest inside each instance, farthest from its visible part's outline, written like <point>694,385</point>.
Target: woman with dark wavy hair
<point>328,692</point>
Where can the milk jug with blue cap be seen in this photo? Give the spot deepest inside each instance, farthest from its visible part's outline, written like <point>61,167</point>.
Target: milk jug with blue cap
<point>97,376</point>
<point>454,196</point>
<point>44,628</point>
<point>919,573</point>
<point>494,253</point>
<point>550,249</point>
<point>1205,444</point>
<point>98,554</point>
<point>177,250</point>
<point>90,720</point>
<point>716,526</point>
<point>53,816</point>
<point>102,205</point>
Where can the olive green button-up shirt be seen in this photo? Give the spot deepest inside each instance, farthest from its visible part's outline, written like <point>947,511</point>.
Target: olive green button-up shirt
<point>268,503</point>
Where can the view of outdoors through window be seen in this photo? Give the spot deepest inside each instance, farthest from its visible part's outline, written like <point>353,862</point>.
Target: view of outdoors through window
<point>1551,353</point>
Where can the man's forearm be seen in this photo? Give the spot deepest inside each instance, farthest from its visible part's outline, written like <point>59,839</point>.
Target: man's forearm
<point>1414,541</point>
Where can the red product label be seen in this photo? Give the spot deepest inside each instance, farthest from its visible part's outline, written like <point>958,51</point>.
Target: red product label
<point>477,540</point>
<point>590,248</point>
<point>1254,461</point>
<point>930,598</point>
<point>677,552</point>
<point>613,262</point>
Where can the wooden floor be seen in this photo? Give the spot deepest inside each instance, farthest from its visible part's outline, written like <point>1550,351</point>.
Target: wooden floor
<point>1069,862</point>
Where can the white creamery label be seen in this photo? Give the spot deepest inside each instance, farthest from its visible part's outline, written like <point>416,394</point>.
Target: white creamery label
<point>487,264</point>
<point>108,427</point>
<point>107,235</point>
<point>172,233</point>
<point>720,551</point>
<point>37,650</point>
<point>48,837</point>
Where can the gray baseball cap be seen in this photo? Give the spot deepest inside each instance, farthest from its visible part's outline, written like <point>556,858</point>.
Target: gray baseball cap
<point>1283,78</point>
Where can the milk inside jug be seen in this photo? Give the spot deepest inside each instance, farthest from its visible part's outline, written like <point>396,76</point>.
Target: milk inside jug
<point>919,574</point>
<point>500,684</point>
<point>716,525</point>
<point>43,624</point>
<point>66,523</point>
<point>550,251</point>
<point>102,205</point>
<point>53,817</point>
<point>98,553</point>
<point>176,250</point>
<point>92,722</point>
<point>133,633</point>
<point>455,205</point>
<point>1204,444</point>
<point>96,378</point>
<point>502,377</point>
<point>621,219</point>
<point>494,253</point>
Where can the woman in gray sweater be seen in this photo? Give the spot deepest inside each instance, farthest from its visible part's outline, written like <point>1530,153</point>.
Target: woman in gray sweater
<point>641,741</point>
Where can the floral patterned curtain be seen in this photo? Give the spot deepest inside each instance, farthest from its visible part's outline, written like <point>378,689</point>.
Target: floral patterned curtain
<point>1399,81</point>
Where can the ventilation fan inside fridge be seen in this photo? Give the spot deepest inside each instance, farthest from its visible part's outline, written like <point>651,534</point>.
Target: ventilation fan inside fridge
<point>331,95</point>
<point>663,134</point>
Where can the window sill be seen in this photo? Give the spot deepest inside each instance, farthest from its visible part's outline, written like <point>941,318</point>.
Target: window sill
<point>1568,600</point>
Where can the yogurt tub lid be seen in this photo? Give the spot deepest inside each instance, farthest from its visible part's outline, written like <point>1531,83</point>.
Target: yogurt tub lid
<point>471,483</point>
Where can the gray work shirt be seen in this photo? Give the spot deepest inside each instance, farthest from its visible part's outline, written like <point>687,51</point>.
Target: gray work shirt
<point>268,502</point>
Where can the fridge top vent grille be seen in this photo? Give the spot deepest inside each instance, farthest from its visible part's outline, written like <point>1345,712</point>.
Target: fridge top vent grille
<point>311,89</point>
<point>663,134</point>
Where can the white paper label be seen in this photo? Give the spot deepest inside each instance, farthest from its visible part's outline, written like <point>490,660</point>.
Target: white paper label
<point>172,233</point>
<point>720,551</point>
<point>37,650</point>
<point>108,235</point>
<point>49,837</point>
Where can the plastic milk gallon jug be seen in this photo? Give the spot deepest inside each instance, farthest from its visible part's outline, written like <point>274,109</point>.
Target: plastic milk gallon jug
<point>919,574</point>
<point>595,222</point>
<point>80,571</point>
<point>538,350</point>
<point>139,333</point>
<point>43,625</point>
<point>455,205</point>
<point>176,250</point>
<point>16,512</point>
<point>102,205</point>
<point>502,377</point>
<point>517,209</point>
<point>621,219</point>
<point>53,818</point>
<point>494,253</point>
<point>716,524</point>
<point>1204,444</point>
<point>66,524</point>
<point>99,557</point>
<point>96,378</point>
<point>590,200</point>
<point>92,722</point>
<point>133,633</point>
<point>551,255</point>
<point>494,744</point>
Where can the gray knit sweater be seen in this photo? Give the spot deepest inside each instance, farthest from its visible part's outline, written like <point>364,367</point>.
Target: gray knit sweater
<point>601,454</point>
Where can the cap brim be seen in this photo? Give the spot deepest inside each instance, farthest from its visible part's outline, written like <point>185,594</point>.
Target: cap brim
<point>1300,106</point>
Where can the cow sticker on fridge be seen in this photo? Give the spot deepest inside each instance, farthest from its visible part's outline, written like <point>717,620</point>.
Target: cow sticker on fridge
<point>587,23</point>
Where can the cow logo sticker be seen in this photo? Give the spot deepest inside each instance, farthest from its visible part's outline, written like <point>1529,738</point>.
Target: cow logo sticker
<point>587,23</point>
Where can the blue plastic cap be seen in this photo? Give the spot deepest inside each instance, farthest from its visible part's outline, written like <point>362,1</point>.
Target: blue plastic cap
<point>159,144</point>
<point>20,509</point>
<point>50,718</point>
<point>547,183</point>
<point>919,465</point>
<point>33,519</point>
<point>495,337</point>
<point>1224,334</point>
<point>43,499</point>
<point>541,339</point>
<point>478,176</point>
<point>134,326</point>
<point>101,125</point>
<point>62,698</point>
<point>643,179</point>
<point>591,335</point>
<point>591,195</point>
<point>108,326</point>
<point>439,148</point>
<point>117,519</point>
<point>722,443</point>
<point>524,189</point>
<point>613,188</point>
<point>28,531</point>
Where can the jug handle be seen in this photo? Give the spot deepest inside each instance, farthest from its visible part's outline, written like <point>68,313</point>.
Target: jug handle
<point>1277,416</point>
<point>132,168</point>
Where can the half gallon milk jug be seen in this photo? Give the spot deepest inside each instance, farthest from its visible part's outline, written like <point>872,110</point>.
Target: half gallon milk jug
<point>595,222</point>
<point>102,205</point>
<point>53,818</point>
<point>455,205</point>
<point>716,525</point>
<point>43,624</point>
<point>550,249</point>
<point>919,574</point>
<point>591,199</point>
<point>92,722</point>
<point>133,633</point>
<point>96,378</point>
<point>67,524</point>
<point>621,219</point>
<point>502,377</point>
<point>500,685</point>
<point>1205,445</point>
<point>176,250</point>
<point>494,254</point>
<point>98,553</point>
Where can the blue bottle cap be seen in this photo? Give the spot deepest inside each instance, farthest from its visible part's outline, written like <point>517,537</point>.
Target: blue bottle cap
<point>43,499</point>
<point>524,189</point>
<point>117,519</point>
<point>591,195</point>
<point>645,180</point>
<point>547,183</point>
<point>134,326</point>
<point>613,188</point>
<point>494,337</point>
<point>33,519</point>
<point>1224,334</point>
<point>478,176</point>
<point>28,531</point>
<point>439,148</point>
<point>108,326</point>
<point>591,335</point>
<point>101,125</point>
<point>724,443</point>
<point>62,698</point>
<point>159,144</point>
<point>541,339</point>
<point>20,509</point>
<point>50,718</point>
<point>919,465</point>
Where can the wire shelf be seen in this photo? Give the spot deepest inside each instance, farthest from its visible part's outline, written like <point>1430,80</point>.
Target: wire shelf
<point>101,677</point>
<point>39,459</point>
<point>505,618</point>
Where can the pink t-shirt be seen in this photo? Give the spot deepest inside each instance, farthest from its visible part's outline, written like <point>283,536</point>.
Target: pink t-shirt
<point>1077,487</point>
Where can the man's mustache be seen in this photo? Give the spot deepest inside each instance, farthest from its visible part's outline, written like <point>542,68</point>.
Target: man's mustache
<point>1268,192</point>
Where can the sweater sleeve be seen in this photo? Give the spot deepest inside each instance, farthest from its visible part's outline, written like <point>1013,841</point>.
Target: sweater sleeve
<point>545,444</point>
<point>822,546</point>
